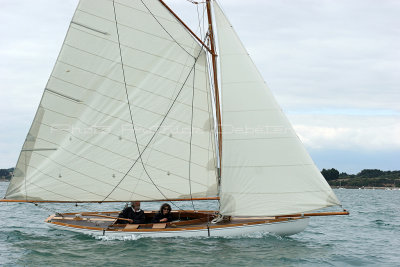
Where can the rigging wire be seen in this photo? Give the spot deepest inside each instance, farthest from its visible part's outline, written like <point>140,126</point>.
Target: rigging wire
<point>165,30</point>
<point>151,139</point>
<point>191,119</point>
<point>200,20</point>
<point>131,117</point>
<point>214,123</point>
<point>190,142</point>
<point>195,2</point>
<point>46,208</point>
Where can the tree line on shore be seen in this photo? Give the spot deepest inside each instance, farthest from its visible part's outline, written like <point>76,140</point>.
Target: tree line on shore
<point>366,177</point>
<point>5,174</point>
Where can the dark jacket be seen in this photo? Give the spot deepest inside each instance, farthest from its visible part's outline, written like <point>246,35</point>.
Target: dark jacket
<point>160,216</point>
<point>129,213</point>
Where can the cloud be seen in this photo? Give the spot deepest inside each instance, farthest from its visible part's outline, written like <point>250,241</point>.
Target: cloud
<point>348,132</point>
<point>332,65</point>
<point>324,53</point>
<point>353,161</point>
<point>32,33</point>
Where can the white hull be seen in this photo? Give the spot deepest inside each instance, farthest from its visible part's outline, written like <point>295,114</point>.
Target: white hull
<point>282,228</point>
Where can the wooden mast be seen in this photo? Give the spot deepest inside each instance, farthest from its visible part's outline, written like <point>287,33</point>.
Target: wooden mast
<point>216,91</point>
<point>214,66</point>
<point>184,25</point>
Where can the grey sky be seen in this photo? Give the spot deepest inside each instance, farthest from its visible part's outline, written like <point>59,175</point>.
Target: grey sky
<point>332,65</point>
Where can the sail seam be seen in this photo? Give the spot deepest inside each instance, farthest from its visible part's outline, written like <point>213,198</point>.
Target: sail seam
<point>37,112</point>
<point>83,174</point>
<point>279,193</point>
<point>66,131</point>
<point>64,182</point>
<point>133,125</point>
<point>41,155</point>
<point>167,31</point>
<point>160,126</point>
<point>122,120</point>
<point>190,141</point>
<point>139,30</point>
<point>78,172</point>
<point>141,70</point>
<point>61,159</point>
<point>42,188</point>
<point>122,101</point>
<point>63,96</point>
<point>169,61</point>
<point>269,166</point>
<point>88,27</point>
<point>140,153</point>
<point>115,170</point>
<point>108,78</point>
<point>144,12</point>
<point>131,7</point>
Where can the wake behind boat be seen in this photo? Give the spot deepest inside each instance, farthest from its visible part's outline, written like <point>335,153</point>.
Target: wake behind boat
<point>140,108</point>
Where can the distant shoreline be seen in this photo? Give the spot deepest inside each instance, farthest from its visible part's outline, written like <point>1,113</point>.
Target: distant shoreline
<point>366,187</point>
<point>333,187</point>
<point>365,179</point>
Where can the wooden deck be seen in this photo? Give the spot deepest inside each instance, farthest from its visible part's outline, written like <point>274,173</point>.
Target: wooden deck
<point>183,220</point>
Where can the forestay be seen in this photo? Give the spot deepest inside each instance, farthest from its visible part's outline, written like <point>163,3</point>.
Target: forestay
<point>265,168</point>
<point>112,128</point>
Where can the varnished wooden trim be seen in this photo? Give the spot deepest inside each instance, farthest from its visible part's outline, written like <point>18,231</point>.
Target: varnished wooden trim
<point>216,90</point>
<point>203,227</point>
<point>184,25</point>
<point>49,218</point>
<point>77,226</point>
<point>131,226</point>
<point>81,219</point>
<point>159,225</point>
<point>345,212</point>
<point>105,216</point>
<point>155,200</point>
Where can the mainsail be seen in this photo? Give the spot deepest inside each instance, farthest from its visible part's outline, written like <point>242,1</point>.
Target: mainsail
<point>126,114</point>
<point>266,171</point>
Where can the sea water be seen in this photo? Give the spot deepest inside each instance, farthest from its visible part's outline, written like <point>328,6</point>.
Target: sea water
<point>370,236</point>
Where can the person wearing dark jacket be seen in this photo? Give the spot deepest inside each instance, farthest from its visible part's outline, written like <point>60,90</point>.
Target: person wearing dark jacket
<point>164,214</point>
<point>133,213</point>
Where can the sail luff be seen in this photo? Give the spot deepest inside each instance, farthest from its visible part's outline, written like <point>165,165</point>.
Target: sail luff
<point>23,149</point>
<point>215,84</point>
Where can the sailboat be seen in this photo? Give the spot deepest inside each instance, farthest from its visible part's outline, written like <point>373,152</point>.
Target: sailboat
<point>140,108</point>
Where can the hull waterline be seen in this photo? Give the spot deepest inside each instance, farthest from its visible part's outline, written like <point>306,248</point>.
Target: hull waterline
<point>234,227</point>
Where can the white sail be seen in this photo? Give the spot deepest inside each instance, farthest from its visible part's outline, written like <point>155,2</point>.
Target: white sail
<point>89,143</point>
<point>266,171</point>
